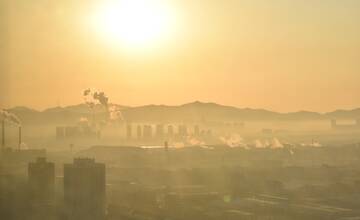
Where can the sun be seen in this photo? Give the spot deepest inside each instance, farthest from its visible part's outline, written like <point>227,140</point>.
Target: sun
<point>134,23</point>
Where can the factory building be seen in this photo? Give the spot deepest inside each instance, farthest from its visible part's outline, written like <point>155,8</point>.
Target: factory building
<point>84,190</point>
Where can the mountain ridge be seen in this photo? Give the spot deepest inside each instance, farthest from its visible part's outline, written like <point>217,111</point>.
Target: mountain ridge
<point>193,111</point>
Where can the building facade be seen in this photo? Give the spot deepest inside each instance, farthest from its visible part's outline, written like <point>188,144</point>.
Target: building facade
<point>84,190</point>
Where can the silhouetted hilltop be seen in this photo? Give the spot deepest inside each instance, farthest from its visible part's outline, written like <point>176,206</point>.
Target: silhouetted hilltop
<point>196,111</point>
<point>190,112</point>
<point>355,113</point>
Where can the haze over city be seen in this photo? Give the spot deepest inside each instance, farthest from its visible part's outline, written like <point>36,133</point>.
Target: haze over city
<point>179,110</point>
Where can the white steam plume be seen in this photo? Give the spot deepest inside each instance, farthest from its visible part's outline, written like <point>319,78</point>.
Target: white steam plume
<point>94,97</point>
<point>9,117</point>
<point>275,143</point>
<point>234,140</point>
<point>313,144</point>
<point>193,141</point>
<point>115,113</point>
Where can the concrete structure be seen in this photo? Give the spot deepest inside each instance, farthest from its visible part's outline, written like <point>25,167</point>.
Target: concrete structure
<point>196,130</point>
<point>72,131</point>
<point>80,131</point>
<point>13,198</point>
<point>139,132</point>
<point>7,189</point>
<point>84,190</point>
<point>128,131</point>
<point>60,132</point>
<point>182,130</point>
<point>41,184</point>
<point>354,126</point>
<point>159,131</point>
<point>12,157</point>
<point>41,180</point>
<point>170,131</point>
<point>147,134</point>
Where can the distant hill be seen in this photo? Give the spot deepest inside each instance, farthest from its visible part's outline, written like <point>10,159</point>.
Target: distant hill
<point>347,114</point>
<point>190,112</point>
<point>196,111</point>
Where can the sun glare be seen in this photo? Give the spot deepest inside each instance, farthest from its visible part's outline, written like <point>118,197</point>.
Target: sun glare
<point>134,23</point>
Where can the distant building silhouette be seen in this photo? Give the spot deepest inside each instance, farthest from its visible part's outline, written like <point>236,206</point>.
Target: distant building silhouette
<point>42,189</point>
<point>82,130</point>
<point>159,131</point>
<point>196,130</point>
<point>7,200</point>
<point>128,131</point>
<point>23,156</point>
<point>41,180</point>
<point>147,134</point>
<point>84,190</point>
<point>170,131</point>
<point>60,132</point>
<point>354,126</point>
<point>13,198</point>
<point>139,132</point>
<point>182,130</point>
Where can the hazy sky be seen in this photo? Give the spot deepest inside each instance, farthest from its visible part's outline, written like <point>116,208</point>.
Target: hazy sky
<point>281,55</point>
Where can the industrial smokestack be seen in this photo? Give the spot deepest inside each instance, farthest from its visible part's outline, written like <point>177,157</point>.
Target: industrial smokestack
<point>3,134</point>
<point>166,145</point>
<point>20,137</point>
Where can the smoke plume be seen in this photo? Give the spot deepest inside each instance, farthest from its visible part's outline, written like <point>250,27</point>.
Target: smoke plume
<point>93,97</point>
<point>9,117</point>
<point>193,141</point>
<point>234,140</point>
<point>275,144</point>
<point>115,113</point>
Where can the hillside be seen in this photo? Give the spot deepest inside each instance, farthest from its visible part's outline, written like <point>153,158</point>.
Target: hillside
<point>190,112</point>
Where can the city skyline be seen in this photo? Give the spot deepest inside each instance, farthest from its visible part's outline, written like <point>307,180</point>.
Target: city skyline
<point>179,109</point>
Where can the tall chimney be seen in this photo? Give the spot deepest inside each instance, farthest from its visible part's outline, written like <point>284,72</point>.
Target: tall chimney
<point>3,134</point>
<point>19,137</point>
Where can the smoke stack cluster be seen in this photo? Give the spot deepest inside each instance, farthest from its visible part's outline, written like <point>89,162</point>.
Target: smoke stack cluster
<point>6,116</point>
